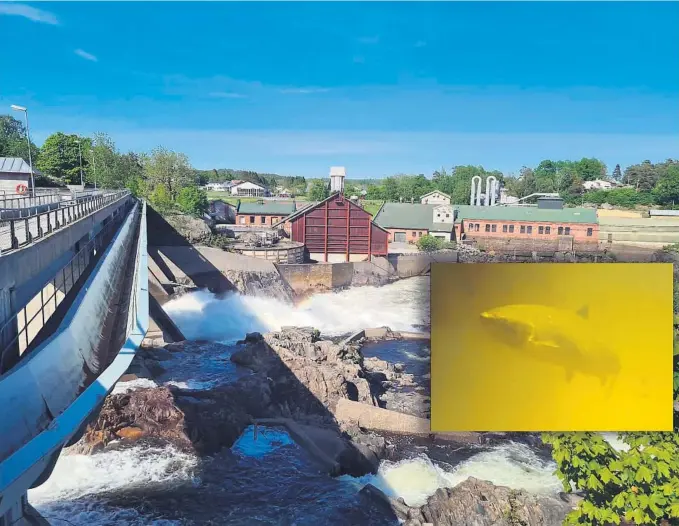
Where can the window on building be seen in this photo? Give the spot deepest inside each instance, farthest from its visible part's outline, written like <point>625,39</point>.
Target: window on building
<point>419,234</point>
<point>262,219</point>
<point>252,219</point>
<point>567,230</point>
<point>529,229</point>
<point>541,230</point>
<point>548,230</point>
<point>523,229</point>
<point>447,216</point>
<point>504,228</point>
<point>493,228</point>
<point>413,234</point>
<point>589,232</point>
<point>511,229</point>
<point>487,228</point>
<point>476,227</point>
<point>560,231</point>
<point>242,220</point>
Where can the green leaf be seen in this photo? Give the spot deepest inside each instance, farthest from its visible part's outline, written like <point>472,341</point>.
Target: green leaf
<point>644,475</point>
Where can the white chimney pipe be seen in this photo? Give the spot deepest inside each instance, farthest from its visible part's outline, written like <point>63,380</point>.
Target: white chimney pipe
<point>476,185</point>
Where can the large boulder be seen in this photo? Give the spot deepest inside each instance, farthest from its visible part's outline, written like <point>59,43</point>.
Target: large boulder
<point>194,229</point>
<point>476,502</point>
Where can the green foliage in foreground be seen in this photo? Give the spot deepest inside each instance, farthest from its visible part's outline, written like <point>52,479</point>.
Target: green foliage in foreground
<point>640,485</point>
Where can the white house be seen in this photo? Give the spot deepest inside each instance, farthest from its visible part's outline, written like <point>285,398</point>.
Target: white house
<point>218,187</point>
<point>597,184</point>
<point>435,198</point>
<point>248,189</point>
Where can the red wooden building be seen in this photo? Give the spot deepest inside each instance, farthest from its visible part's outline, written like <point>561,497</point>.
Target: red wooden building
<point>338,230</point>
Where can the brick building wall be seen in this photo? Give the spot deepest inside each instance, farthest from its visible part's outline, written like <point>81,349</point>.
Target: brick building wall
<point>257,219</point>
<point>580,232</point>
<point>411,236</point>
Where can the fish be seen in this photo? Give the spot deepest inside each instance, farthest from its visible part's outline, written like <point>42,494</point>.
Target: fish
<point>564,338</point>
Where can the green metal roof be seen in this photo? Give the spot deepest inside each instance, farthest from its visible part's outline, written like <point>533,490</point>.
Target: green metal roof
<point>274,208</point>
<point>414,216</point>
<point>526,213</point>
<point>421,217</point>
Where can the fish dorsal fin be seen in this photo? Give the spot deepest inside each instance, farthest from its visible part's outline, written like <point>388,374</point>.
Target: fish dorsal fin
<point>584,312</point>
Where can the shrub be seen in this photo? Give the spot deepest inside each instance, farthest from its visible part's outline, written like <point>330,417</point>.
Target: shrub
<point>429,243</point>
<point>161,199</point>
<point>192,201</point>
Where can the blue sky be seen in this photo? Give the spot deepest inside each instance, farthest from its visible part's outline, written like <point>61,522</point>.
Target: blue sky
<point>380,88</point>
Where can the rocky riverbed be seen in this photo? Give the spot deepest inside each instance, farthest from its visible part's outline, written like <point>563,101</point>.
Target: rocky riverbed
<point>293,375</point>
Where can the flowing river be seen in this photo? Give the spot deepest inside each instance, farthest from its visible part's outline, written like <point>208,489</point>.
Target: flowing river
<point>271,480</point>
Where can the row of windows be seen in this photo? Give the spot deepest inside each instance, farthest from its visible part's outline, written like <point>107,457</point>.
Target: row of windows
<point>262,220</point>
<point>525,229</point>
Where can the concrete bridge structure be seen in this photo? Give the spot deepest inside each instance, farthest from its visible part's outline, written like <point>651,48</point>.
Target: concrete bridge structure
<point>74,309</point>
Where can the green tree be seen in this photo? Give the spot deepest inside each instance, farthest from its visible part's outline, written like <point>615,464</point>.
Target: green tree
<point>375,192</point>
<point>319,190</point>
<point>391,189</point>
<point>666,191</point>
<point>60,157</point>
<point>13,139</point>
<point>161,199</point>
<point>590,169</point>
<point>193,201</point>
<point>641,176</point>
<point>617,173</point>
<point>104,163</point>
<point>170,169</point>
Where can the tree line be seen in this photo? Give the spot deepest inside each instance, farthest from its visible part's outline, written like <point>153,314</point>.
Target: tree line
<point>162,175</point>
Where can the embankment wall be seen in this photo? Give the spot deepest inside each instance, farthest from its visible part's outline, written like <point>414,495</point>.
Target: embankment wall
<point>314,277</point>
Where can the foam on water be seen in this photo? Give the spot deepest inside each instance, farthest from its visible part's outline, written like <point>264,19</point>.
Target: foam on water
<point>71,492</point>
<point>402,306</point>
<point>133,385</point>
<point>513,465</point>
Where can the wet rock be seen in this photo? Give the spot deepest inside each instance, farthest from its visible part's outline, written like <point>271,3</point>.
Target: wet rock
<point>143,413</point>
<point>308,373</point>
<point>479,503</point>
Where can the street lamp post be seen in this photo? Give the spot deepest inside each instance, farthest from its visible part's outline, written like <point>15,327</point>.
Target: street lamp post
<point>94,167</point>
<point>28,139</point>
<point>80,155</point>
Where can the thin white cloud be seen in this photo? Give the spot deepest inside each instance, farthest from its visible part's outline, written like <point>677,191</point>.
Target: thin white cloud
<point>85,55</point>
<point>227,95</point>
<point>303,91</point>
<point>31,13</point>
<point>369,40</point>
<point>420,43</point>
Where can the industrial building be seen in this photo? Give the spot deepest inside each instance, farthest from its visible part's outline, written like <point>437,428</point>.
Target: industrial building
<point>336,229</point>
<point>488,223</point>
<point>263,213</point>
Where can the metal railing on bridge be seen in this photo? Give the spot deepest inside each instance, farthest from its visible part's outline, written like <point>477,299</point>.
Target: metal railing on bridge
<point>17,335</point>
<point>21,226</point>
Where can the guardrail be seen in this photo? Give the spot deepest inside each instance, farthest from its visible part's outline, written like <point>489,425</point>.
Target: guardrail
<point>57,392</point>
<point>18,333</point>
<point>20,230</point>
<point>19,201</point>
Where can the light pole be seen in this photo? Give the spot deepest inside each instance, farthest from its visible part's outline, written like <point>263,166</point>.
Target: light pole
<point>28,139</point>
<point>94,167</point>
<point>80,155</point>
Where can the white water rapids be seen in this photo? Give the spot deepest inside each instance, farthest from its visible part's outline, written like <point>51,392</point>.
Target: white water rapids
<point>403,305</point>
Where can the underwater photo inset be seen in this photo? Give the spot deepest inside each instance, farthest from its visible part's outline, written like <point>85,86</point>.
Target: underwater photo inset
<point>551,347</point>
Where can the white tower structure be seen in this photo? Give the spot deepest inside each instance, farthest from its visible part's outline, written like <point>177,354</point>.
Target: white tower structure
<point>337,175</point>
